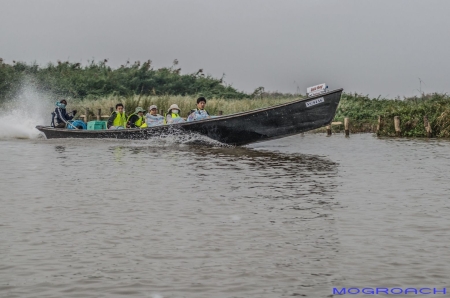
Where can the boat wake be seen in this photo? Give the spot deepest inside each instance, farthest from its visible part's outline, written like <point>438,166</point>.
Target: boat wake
<point>18,125</point>
<point>20,115</point>
<point>173,138</point>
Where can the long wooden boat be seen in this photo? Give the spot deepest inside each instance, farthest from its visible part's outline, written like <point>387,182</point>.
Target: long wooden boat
<point>236,129</point>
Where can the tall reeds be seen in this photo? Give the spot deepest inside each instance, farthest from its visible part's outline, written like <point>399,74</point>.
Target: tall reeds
<point>411,111</point>
<point>186,103</point>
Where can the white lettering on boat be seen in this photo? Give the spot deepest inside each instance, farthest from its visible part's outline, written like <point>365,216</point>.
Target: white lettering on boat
<point>314,102</point>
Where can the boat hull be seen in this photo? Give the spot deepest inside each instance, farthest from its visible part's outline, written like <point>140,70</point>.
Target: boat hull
<point>235,129</point>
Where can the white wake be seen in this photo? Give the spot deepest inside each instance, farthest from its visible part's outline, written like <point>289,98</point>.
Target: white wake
<point>20,115</point>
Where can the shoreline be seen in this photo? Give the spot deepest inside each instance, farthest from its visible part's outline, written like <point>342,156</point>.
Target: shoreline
<point>428,116</point>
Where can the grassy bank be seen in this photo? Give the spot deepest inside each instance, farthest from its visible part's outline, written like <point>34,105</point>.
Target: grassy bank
<point>362,110</point>
<point>97,85</point>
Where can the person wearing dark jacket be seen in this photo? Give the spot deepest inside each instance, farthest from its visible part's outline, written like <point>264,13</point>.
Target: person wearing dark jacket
<point>61,116</point>
<point>137,119</point>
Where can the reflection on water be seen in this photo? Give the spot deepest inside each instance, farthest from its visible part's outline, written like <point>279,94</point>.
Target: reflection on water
<point>112,218</point>
<point>292,217</point>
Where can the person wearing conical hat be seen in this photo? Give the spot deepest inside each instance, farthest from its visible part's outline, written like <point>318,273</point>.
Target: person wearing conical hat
<point>173,115</point>
<point>136,119</point>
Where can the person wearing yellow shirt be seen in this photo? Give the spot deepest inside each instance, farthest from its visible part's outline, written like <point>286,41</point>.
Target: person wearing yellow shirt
<point>173,115</point>
<point>137,119</point>
<point>117,120</point>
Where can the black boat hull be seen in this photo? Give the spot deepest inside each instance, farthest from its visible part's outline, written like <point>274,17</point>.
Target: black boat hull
<point>236,129</point>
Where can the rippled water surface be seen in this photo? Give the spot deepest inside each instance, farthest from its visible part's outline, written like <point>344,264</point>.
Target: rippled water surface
<point>290,217</point>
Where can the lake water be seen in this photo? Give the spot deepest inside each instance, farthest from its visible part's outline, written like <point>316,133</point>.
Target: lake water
<point>291,217</point>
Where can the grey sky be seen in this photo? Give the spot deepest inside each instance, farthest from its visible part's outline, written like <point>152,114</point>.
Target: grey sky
<point>372,47</point>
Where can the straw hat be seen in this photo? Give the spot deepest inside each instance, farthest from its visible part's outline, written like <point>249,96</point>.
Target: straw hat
<point>174,106</point>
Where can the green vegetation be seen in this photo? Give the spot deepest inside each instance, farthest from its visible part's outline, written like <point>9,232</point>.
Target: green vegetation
<point>97,85</point>
<point>97,79</point>
<point>364,113</point>
<point>186,103</point>
<point>362,110</point>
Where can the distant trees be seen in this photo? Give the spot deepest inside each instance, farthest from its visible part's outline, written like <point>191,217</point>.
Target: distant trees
<point>97,79</point>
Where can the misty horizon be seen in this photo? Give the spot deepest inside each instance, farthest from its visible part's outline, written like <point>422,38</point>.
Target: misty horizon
<point>380,48</point>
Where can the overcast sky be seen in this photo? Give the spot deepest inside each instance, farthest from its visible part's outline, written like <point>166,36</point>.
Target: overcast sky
<point>375,47</point>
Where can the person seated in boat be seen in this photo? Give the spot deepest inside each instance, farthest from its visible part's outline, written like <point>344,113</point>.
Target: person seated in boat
<point>173,115</point>
<point>153,118</point>
<point>137,119</point>
<point>117,120</point>
<point>61,116</point>
<point>199,113</point>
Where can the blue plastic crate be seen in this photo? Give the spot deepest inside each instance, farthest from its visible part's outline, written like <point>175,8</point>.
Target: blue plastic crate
<point>96,125</point>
